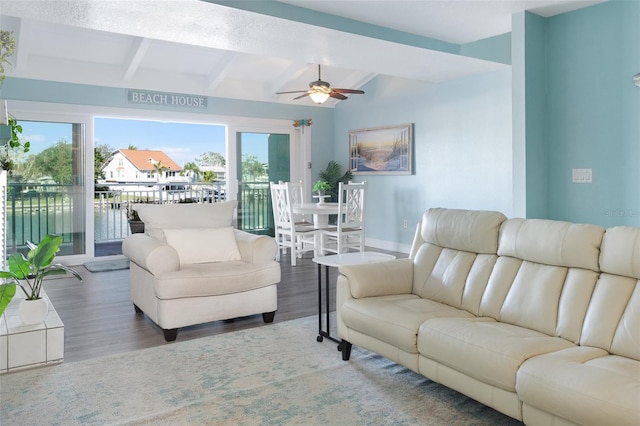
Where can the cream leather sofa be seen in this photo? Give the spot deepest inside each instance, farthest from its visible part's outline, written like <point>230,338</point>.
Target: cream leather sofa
<point>191,267</point>
<point>538,319</point>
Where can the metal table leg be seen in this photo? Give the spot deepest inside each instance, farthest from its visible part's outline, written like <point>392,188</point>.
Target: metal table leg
<point>322,333</point>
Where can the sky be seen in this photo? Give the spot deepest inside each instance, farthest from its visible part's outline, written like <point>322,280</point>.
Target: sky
<point>183,142</point>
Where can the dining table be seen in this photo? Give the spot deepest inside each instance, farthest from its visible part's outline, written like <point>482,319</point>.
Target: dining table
<point>320,212</point>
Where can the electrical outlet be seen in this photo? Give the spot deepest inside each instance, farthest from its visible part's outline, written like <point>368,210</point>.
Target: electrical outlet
<point>405,224</point>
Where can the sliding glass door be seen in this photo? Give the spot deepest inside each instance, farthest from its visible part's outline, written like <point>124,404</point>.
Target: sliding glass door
<point>261,158</point>
<point>46,189</point>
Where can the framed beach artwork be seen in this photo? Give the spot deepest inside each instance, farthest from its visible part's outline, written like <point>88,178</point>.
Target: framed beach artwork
<point>381,150</point>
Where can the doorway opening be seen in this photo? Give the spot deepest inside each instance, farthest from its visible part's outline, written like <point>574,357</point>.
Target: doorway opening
<point>149,161</point>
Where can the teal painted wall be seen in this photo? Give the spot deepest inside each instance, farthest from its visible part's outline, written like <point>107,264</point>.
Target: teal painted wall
<point>594,113</point>
<point>462,138</point>
<point>536,145</point>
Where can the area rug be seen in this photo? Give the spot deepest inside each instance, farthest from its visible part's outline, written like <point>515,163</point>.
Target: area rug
<point>107,265</point>
<point>276,374</point>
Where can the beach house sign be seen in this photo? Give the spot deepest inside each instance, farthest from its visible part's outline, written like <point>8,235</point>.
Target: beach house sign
<point>179,100</point>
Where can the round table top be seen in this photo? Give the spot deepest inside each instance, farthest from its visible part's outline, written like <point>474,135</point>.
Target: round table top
<point>316,208</point>
<point>357,258</point>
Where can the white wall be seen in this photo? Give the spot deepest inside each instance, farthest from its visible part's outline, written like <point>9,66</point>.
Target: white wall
<point>463,156</point>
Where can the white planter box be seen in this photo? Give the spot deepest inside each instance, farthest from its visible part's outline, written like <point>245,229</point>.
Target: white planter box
<point>25,346</point>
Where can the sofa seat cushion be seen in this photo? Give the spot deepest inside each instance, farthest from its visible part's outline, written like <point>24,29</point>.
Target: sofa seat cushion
<point>584,385</point>
<point>394,319</point>
<point>218,278</point>
<point>484,349</point>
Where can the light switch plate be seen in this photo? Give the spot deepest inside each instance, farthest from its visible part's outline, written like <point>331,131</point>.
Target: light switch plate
<point>582,175</point>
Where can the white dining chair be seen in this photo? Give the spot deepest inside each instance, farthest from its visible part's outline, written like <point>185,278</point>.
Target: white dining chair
<point>296,194</point>
<point>298,238</point>
<point>348,234</point>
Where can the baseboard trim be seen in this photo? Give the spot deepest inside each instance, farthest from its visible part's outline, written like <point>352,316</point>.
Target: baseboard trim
<point>387,245</point>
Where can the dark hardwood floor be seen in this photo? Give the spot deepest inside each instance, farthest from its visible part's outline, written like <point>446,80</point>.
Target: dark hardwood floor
<point>99,318</point>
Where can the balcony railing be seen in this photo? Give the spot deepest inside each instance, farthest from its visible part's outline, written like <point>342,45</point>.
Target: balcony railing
<point>35,210</point>
<point>255,212</point>
<point>112,203</point>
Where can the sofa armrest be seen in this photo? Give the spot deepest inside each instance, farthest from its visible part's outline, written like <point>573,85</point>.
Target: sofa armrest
<point>256,248</point>
<point>151,254</point>
<point>379,278</point>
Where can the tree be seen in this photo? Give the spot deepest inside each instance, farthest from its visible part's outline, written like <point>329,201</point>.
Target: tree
<point>158,169</point>
<point>191,169</point>
<point>56,162</point>
<point>132,147</point>
<point>251,168</point>
<point>101,154</point>
<point>211,159</point>
<point>209,176</point>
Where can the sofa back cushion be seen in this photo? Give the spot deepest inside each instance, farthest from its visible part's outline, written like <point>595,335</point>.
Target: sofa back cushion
<point>613,316</point>
<point>464,230</point>
<point>158,217</point>
<point>552,242</point>
<point>203,245</point>
<point>453,254</point>
<point>545,275</point>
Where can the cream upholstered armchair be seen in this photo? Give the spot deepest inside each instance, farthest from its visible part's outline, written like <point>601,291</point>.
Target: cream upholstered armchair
<point>191,267</point>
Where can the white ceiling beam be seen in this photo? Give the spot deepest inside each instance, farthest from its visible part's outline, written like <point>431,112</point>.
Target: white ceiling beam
<point>23,44</point>
<point>292,72</point>
<point>220,70</point>
<point>356,80</point>
<point>135,57</point>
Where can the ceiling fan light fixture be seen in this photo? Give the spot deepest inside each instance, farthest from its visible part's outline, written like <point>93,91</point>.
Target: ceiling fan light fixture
<point>319,97</point>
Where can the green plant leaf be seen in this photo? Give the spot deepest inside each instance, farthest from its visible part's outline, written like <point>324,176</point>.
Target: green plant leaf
<point>7,291</point>
<point>19,266</point>
<point>333,175</point>
<point>46,251</point>
<point>30,271</point>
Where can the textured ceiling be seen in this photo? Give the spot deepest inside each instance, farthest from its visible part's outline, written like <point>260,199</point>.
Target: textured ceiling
<point>205,48</point>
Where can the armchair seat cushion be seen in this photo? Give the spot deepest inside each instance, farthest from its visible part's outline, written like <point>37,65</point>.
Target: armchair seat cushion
<point>216,278</point>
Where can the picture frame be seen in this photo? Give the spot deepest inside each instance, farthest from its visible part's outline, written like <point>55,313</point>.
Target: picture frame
<point>381,150</point>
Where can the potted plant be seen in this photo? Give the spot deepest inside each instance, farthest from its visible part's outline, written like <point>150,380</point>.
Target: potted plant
<point>333,176</point>
<point>136,225</point>
<point>28,273</point>
<point>321,186</point>
<point>13,146</point>
<point>12,143</point>
<point>7,47</point>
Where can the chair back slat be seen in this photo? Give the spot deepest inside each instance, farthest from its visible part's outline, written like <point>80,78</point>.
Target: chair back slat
<point>288,233</point>
<point>351,204</point>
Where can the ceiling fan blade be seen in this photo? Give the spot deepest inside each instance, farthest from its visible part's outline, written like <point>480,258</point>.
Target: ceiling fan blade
<point>302,96</point>
<point>337,95</point>
<point>357,92</point>
<point>293,91</point>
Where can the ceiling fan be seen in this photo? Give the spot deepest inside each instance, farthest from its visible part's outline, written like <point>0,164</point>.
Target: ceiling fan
<point>319,91</point>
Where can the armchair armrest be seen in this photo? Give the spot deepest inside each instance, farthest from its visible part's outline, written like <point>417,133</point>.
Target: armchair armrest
<point>379,278</point>
<point>256,248</point>
<point>151,254</point>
